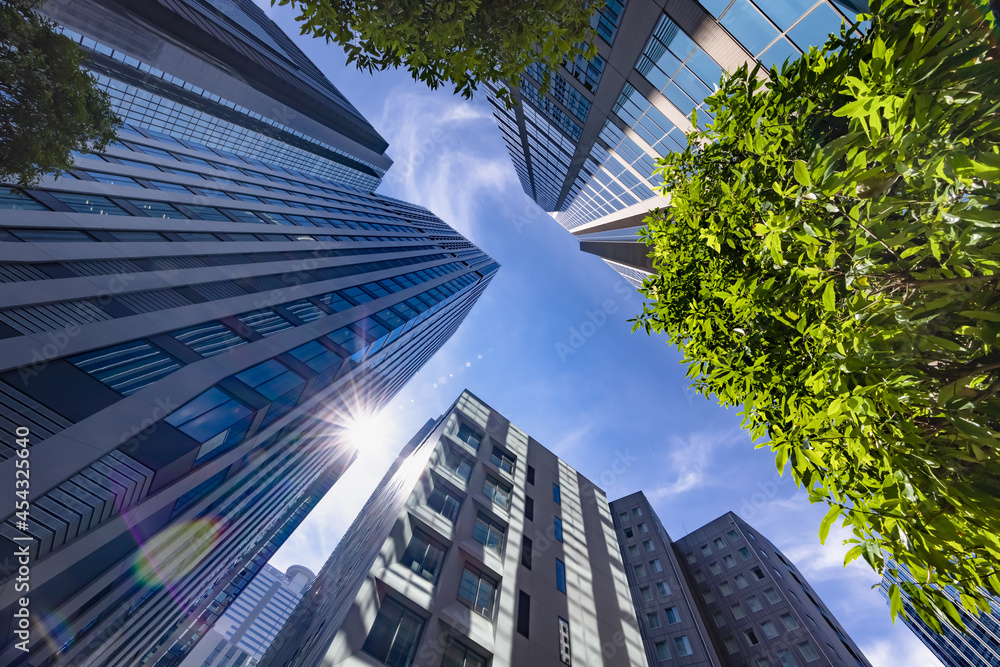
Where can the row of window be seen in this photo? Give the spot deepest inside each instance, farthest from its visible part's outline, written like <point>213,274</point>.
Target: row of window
<point>128,367</point>
<point>315,192</point>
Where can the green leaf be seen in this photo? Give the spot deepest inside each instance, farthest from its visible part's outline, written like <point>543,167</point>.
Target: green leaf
<point>827,522</point>
<point>801,172</point>
<point>829,297</point>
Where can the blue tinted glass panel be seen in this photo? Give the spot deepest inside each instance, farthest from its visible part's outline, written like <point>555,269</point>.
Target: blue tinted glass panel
<point>816,28</point>
<point>749,26</point>
<point>779,52</point>
<point>785,12</point>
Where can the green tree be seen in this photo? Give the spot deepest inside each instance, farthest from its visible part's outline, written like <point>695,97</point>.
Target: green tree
<point>462,42</point>
<point>831,262</point>
<point>48,105</point>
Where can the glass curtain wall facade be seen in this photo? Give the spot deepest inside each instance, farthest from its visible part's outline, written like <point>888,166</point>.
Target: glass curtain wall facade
<point>185,322</point>
<point>479,547</point>
<point>586,150</point>
<point>978,646</point>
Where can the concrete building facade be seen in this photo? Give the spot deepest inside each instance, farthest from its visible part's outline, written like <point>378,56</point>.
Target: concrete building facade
<point>479,547</point>
<point>251,623</point>
<point>724,595</point>
<point>586,150</point>
<point>185,320</point>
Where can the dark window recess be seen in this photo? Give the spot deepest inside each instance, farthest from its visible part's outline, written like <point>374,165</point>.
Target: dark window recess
<point>526,553</point>
<point>531,475</point>
<point>394,635</point>
<point>529,508</point>
<point>523,613</point>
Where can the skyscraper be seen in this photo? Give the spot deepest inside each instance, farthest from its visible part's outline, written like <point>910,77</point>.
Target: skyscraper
<point>977,646</point>
<point>185,321</point>
<point>724,595</point>
<point>479,546</point>
<point>248,627</point>
<point>586,150</point>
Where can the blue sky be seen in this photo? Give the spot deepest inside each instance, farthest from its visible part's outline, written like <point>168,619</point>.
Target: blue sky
<point>618,395</point>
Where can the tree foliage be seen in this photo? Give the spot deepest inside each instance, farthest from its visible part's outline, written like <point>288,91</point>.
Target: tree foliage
<point>48,105</point>
<point>462,42</point>
<point>831,262</point>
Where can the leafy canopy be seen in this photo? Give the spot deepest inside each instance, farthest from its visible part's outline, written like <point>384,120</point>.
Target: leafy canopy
<point>48,105</point>
<point>462,42</point>
<point>831,262</point>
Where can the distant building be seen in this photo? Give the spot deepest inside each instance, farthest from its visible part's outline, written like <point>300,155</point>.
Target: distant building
<point>251,623</point>
<point>187,316</point>
<point>978,646</point>
<point>586,150</point>
<point>478,547</point>
<point>724,595</point>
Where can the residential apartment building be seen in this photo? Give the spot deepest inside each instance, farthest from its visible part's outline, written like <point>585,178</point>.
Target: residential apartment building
<point>669,618</point>
<point>724,595</point>
<point>977,646</point>
<point>586,150</point>
<point>185,321</point>
<point>478,547</point>
<point>251,623</point>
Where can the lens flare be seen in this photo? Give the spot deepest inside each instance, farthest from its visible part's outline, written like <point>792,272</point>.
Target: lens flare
<point>175,551</point>
<point>55,629</point>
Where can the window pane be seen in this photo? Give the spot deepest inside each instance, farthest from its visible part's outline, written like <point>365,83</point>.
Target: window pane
<point>51,235</point>
<point>17,200</point>
<point>89,204</point>
<point>394,635</point>
<point>156,209</point>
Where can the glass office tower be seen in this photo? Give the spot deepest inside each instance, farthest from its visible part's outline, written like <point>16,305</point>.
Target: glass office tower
<point>188,318</point>
<point>977,646</point>
<point>586,150</point>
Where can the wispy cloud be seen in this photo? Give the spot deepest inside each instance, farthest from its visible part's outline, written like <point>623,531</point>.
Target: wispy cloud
<point>690,459</point>
<point>434,163</point>
<point>903,648</point>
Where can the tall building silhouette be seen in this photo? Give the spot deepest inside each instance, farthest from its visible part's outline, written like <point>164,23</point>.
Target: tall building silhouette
<point>187,321</point>
<point>586,150</point>
<point>478,547</point>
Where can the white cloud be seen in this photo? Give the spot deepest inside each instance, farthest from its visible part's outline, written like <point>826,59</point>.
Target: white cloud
<point>901,648</point>
<point>690,459</point>
<point>461,111</point>
<point>434,167</point>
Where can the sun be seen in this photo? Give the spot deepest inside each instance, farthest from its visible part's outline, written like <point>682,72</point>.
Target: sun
<point>369,431</point>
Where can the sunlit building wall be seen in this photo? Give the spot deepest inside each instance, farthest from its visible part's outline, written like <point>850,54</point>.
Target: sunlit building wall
<point>189,319</point>
<point>479,547</point>
<point>586,150</point>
